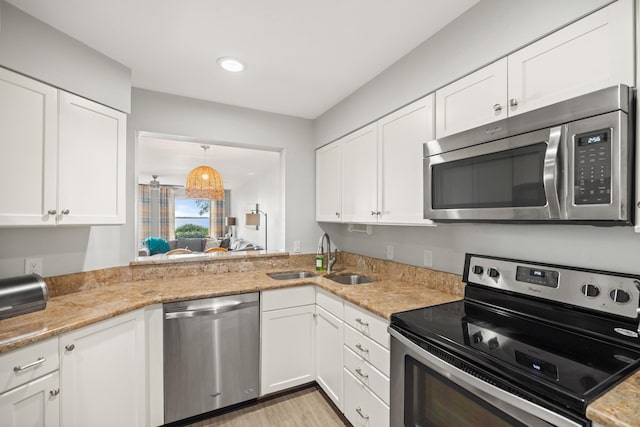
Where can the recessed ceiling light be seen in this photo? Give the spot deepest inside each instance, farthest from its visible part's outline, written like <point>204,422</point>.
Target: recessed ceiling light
<point>231,64</point>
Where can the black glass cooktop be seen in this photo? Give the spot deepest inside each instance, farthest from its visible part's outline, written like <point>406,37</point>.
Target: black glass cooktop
<point>547,360</point>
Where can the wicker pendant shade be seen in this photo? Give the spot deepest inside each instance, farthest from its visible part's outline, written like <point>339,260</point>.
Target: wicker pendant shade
<point>204,183</point>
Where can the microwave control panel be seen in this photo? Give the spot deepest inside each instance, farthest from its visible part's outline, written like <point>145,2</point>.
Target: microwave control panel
<point>592,176</point>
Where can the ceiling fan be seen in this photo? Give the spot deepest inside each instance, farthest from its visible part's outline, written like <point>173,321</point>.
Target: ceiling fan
<point>154,184</point>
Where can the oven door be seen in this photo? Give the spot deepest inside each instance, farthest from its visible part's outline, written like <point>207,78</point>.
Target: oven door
<point>428,392</point>
<point>510,179</point>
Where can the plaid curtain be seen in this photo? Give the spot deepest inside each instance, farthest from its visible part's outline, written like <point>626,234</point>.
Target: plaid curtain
<point>216,225</point>
<point>144,212</point>
<point>167,213</point>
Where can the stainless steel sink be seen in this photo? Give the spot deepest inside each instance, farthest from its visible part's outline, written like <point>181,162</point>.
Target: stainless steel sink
<point>350,279</point>
<point>288,275</point>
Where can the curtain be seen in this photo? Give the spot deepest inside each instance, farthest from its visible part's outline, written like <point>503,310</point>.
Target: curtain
<point>167,213</point>
<point>216,225</point>
<point>144,213</point>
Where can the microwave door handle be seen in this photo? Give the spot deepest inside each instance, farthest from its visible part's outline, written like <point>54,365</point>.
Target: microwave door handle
<point>551,168</point>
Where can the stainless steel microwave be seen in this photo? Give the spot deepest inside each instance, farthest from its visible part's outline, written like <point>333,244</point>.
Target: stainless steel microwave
<point>570,161</point>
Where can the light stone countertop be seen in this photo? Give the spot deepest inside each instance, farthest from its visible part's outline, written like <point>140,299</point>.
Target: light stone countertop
<point>75,310</point>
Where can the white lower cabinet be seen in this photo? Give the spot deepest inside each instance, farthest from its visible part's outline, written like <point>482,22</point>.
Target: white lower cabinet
<point>329,339</point>
<point>287,338</point>
<point>29,386</point>
<point>102,373</point>
<point>34,404</point>
<point>361,407</point>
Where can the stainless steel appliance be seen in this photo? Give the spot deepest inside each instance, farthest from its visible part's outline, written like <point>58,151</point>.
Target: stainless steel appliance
<point>22,294</point>
<point>531,344</point>
<point>570,161</point>
<point>211,354</point>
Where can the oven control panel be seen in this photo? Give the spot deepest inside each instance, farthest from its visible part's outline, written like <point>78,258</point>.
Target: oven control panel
<point>597,290</point>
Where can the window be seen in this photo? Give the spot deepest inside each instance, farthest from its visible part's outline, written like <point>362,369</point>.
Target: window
<point>193,218</point>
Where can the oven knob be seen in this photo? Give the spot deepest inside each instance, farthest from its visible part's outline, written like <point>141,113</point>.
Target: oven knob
<point>477,337</point>
<point>493,343</point>
<point>589,290</point>
<point>493,272</point>
<point>619,296</point>
<point>478,269</point>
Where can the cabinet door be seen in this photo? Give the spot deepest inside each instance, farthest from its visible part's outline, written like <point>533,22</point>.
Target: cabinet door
<point>592,53</point>
<point>359,175</point>
<point>103,373</point>
<point>329,182</point>
<point>92,163</point>
<point>329,362</point>
<point>288,348</point>
<point>401,136</point>
<point>472,101</point>
<point>35,404</point>
<point>28,137</point>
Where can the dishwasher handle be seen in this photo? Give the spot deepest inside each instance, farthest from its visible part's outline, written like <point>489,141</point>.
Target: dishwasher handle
<point>208,311</point>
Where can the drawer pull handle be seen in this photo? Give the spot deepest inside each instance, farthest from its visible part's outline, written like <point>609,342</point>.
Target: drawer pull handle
<point>40,361</point>
<point>362,322</point>
<point>55,392</point>
<point>362,349</point>
<point>69,347</point>
<point>362,374</point>
<point>363,416</point>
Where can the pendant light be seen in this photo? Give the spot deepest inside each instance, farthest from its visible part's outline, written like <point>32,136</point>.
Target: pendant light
<point>204,182</point>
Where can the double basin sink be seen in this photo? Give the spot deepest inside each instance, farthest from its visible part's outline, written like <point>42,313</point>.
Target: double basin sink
<point>343,279</point>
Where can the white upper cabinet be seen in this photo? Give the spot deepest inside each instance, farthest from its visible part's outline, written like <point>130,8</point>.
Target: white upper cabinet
<point>590,54</point>
<point>359,175</point>
<point>401,136</point>
<point>28,137</point>
<point>64,157</point>
<point>329,183</point>
<point>593,53</point>
<point>91,162</point>
<point>473,100</point>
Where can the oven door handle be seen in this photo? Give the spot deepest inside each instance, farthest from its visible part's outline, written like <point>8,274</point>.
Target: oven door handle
<point>551,172</point>
<point>523,410</point>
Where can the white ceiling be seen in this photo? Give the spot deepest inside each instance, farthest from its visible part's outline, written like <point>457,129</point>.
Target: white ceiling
<point>172,160</point>
<point>303,56</point>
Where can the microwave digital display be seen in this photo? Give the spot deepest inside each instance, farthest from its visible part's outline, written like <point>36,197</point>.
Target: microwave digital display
<point>593,138</point>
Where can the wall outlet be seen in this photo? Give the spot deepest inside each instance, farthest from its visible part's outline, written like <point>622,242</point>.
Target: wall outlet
<point>428,258</point>
<point>296,246</point>
<point>390,252</point>
<point>33,265</point>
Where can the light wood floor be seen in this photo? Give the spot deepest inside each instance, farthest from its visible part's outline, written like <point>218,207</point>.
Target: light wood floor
<point>307,407</point>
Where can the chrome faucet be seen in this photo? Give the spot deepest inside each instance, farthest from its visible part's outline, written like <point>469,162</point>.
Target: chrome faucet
<point>330,261</point>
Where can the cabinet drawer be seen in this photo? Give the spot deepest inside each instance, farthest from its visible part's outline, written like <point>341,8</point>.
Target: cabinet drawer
<point>330,302</point>
<point>368,349</point>
<point>377,382</point>
<point>361,407</point>
<point>35,360</point>
<point>367,323</point>
<point>288,297</point>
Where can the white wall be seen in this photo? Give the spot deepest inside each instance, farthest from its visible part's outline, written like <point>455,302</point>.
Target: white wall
<point>489,30</point>
<point>33,48</point>
<point>262,188</point>
<point>179,116</point>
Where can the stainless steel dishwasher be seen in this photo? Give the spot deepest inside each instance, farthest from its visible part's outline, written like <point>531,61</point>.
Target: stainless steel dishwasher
<point>211,354</point>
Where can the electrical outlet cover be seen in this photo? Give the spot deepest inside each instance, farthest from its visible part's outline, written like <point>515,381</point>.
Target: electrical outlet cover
<point>428,258</point>
<point>390,252</point>
<point>296,246</point>
<point>33,265</point>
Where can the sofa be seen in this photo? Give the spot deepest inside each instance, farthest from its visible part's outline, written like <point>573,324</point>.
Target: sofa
<point>202,244</point>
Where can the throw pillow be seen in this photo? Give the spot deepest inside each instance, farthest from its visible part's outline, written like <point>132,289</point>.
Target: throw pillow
<point>211,243</point>
<point>157,245</point>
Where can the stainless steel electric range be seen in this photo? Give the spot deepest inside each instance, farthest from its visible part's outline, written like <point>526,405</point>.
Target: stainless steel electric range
<point>531,344</point>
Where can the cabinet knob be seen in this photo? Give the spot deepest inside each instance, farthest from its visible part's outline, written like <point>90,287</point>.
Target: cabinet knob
<point>52,211</point>
<point>337,214</point>
<point>362,349</point>
<point>69,347</point>
<point>54,393</point>
<point>513,102</point>
<point>362,322</point>
<point>373,212</point>
<point>65,212</point>
<point>497,108</point>
<point>362,374</point>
